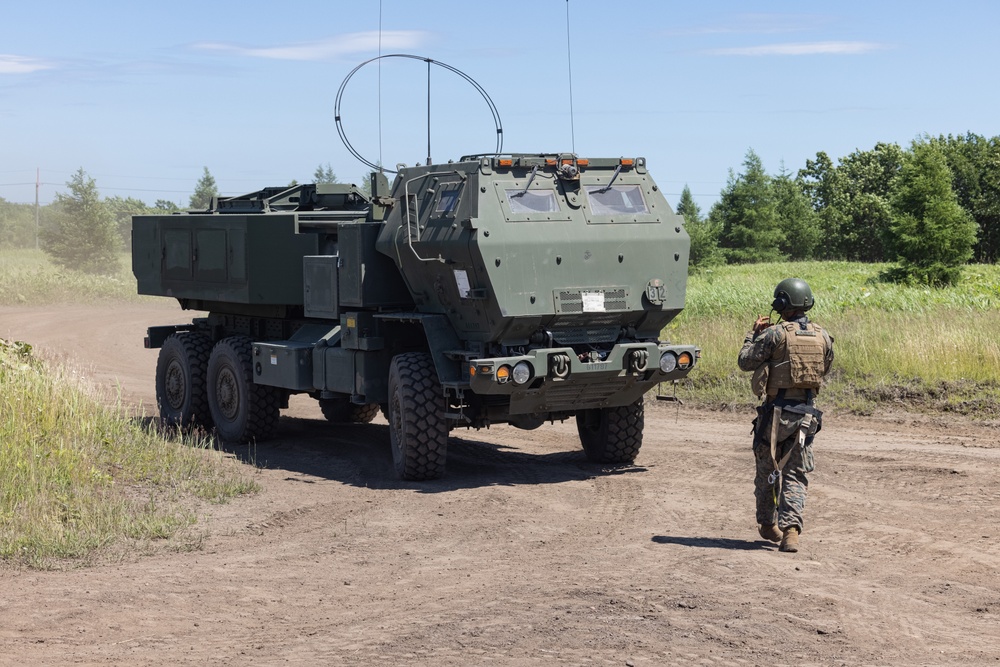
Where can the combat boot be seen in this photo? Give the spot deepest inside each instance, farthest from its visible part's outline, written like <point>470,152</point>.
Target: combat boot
<point>769,532</point>
<point>790,540</point>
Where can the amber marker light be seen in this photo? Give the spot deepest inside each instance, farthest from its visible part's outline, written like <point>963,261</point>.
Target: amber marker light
<point>627,162</point>
<point>505,162</point>
<point>684,360</point>
<point>472,371</point>
<point>583,162</point>
<point>503,374</point>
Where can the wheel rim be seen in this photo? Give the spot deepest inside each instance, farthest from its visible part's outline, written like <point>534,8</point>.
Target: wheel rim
<point>174,385</point>
<point>227,393</point>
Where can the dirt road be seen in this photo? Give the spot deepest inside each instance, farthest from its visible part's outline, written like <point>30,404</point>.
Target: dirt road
<point>526,554</point>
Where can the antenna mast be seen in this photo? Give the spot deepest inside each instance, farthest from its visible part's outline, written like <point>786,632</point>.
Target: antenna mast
<point>569,60</point>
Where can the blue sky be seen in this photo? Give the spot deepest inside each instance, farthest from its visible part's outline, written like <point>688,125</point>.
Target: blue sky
<point>144,95</point>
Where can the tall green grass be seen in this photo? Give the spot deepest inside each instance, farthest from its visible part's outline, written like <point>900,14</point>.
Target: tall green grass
<point>896,346</point>
<point>78,477</point>
<point>28,277</point>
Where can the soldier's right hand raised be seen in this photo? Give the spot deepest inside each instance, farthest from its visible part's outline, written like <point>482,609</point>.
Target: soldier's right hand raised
<point>762,322</point>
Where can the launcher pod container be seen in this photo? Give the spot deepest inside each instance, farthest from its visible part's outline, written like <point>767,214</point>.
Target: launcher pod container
<point>512,289</point>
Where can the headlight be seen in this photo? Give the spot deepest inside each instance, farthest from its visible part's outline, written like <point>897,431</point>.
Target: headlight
<point>521,372</point>
<point>668,362</point>
<point>503,374</point>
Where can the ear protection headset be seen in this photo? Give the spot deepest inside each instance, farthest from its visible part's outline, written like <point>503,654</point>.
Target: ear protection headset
<point>781,303</point>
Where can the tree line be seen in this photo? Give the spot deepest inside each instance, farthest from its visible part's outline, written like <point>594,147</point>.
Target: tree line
<point>81,230</point>
<point>928,210</point>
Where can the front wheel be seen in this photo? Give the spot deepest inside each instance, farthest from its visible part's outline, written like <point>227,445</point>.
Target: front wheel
<point>418,430</point>
<point>611,435</point>
<point>242,411</point>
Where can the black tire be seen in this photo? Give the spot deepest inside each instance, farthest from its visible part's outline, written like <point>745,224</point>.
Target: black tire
<point>342,411</point>
<point>418,430</point>
<point>181,389</point>
<point>241,410</point>
<point>612,435</point>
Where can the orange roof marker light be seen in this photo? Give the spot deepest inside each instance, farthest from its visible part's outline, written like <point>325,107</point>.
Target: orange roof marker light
<point>505,162</point>
<point>627,162</point>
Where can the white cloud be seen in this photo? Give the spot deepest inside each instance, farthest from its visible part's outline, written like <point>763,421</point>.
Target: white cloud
<point>10,64</point>
<point>334,47</point>
<point>801,49</point>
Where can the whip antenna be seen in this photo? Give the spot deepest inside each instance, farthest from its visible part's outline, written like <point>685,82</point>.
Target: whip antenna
<point>380,83</point>
<point>569,60</point>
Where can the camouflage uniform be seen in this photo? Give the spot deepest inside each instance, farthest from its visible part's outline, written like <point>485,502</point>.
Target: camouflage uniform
<point>782,506</point>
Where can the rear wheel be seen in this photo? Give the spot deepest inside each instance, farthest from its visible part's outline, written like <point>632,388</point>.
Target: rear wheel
<point>340,411</point>
<point>418,430</point>
<point>612,435</point>
<point>181,392</point>
<point>241,410</point>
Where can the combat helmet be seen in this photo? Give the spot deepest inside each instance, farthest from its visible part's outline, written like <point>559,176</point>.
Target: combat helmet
<point>792,294</point>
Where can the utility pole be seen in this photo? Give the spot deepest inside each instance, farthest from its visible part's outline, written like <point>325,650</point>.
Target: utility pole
<point>38,179</point>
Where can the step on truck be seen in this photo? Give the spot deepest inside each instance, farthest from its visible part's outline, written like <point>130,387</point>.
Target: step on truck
<point>499,289</point>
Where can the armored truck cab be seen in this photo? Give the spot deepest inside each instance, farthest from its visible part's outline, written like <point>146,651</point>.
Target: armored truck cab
<point>511,289</point>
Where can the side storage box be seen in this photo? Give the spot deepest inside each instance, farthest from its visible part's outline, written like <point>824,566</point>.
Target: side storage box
<point>319,276</point>
<point>285,364</point>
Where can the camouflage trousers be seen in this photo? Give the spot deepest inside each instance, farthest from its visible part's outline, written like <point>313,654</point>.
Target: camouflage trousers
<point>782,501</point>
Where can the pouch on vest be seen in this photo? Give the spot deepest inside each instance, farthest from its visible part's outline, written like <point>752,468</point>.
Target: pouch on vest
<point>791,422</point>
<point>758,381</point>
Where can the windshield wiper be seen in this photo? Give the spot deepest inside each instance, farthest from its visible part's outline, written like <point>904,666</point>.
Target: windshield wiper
<point>534,172</point>
<point>607,187</point>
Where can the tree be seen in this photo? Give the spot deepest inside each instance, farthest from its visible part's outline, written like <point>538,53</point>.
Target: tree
<point>853,201</point>
<point>204,190</point>
<point>704,235</point>
<point>975,166</point>
<point>123,208</point>
<point>799,222</point>
<point>164,205</point>
<point>747,216</point>
<point>933,235</point>
<point>324,174</point>
<point>83,235</point>
<point>823,185</point>
<point>17,224</point>
<point>869,178</point>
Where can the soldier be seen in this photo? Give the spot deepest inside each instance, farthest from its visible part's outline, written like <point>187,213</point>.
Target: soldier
<point>789,360</point>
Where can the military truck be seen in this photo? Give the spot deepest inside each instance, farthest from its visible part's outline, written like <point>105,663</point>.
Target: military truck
<point>517,289</point>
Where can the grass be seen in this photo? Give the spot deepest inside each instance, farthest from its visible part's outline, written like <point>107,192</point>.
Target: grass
<point>915,348</point>
<point>28,277</point>
<point>78,477</point>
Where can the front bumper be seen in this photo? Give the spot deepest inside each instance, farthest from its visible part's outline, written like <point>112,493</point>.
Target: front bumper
<point>560,381</point>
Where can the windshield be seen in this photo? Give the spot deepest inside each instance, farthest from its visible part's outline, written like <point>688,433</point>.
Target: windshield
<point>532,201</point>
<point>616,199</point>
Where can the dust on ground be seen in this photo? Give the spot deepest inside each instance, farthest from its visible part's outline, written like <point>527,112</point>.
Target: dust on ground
<point>527,554</point>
